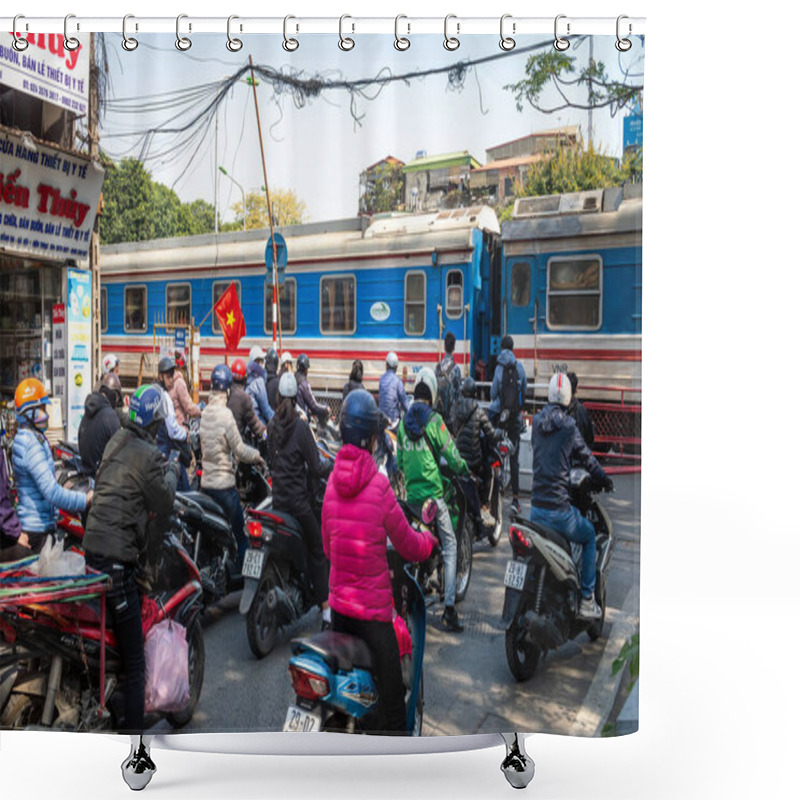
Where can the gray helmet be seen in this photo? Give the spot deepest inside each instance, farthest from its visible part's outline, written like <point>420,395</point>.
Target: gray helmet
<point>427,377</point>
<point>287,387</point>
<point>560,389</point>
<point>166,364</point>
<point>392,361</point>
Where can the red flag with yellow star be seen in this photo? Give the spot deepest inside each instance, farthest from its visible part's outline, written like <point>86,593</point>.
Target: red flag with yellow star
<point>230,317</point>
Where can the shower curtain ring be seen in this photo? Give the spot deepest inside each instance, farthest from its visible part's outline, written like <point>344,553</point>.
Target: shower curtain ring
<point>290,45</point>
<point>183,43</point>
<point>70,42</point>
<point>507,42</point>
<point>234,45</point>
<point>345,43</point>
<point>19,43</point>
<point>623,45</point>
<point>561,44</point>
<point>400,42</point>
<point>128,42</point>
<point>451,42</point>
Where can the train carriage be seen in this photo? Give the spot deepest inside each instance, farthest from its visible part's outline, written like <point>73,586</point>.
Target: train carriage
<point>352,289</point>
<point>570,289</point>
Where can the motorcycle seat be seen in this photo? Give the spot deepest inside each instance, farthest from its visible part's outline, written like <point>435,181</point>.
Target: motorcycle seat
<point>205,502</point>
<point>552,535</point>
<point>339,650</point>
<point>286,521</point>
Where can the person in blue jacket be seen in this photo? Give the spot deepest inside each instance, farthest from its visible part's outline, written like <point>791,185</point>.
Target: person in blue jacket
<point>39,495</point>
<point>392,397</point>
<point>256,385</point>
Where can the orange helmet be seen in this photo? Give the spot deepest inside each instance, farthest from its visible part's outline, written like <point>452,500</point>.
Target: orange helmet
<point>30,393</point>
<point>239,369</point>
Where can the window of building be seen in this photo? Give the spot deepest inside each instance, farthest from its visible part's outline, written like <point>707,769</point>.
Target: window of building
<point>337,304</point>
<point>103,310</point>
<point>217,291</point>
<point>574,293</point>
<point>455,293</point>
<point>414,305</point>
<point>179,303</point>
<point>287,294</point>
<point>135,309</point>
<point>521,284</point>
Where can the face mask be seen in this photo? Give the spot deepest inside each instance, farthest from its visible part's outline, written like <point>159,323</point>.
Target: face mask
<point>40,419</point>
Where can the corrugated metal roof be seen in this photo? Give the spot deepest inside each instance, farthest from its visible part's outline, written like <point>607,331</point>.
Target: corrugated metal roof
<point>519,161</point>
<point>441,161</point>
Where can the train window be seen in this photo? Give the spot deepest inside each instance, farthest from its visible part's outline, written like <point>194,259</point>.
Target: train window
<point>414,317</point>
<point>521,284</point>
<point>287,292</point>
<point>135,309</point>
<point>337,304</point>
<point>574,292</point>
<point>179,303</point>
<point>103,310</point>
<point>217,291</point>
<point>455,293</point>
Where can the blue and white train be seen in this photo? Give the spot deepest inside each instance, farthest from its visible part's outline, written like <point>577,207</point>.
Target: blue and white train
<point>563,277</point>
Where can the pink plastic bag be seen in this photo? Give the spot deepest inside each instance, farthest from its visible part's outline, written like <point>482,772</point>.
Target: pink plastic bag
<point>166,655</point>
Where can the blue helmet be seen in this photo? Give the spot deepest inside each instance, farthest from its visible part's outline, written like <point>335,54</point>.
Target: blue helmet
<point>148,405</point>
<point>221,378</point>
<point>360,419</point>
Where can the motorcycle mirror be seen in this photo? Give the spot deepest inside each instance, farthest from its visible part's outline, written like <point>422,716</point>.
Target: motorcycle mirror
<point>429,510</point>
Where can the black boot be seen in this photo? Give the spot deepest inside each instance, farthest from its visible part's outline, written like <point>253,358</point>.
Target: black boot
<point>450,620</point>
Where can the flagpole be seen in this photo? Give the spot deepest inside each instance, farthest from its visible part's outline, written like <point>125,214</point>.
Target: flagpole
<point>276,309</point>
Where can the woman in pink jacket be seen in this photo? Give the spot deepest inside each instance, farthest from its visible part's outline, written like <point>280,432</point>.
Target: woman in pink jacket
<point>359,512</point>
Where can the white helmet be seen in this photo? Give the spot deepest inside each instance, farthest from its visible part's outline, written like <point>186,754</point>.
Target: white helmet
<point>286,358</point>
<point>257,353</point>
<point>392,360</point>
<point>426,376</point>
<point>288,385</point>
<point>560,389</point>
<point>110,363</point>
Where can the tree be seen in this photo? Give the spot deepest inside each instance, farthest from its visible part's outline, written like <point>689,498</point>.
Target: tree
<point>287,207</point>
<point>383,189</point>
<point>136,208</point>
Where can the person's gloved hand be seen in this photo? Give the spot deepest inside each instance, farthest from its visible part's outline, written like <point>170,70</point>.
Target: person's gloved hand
<point>608,484</point>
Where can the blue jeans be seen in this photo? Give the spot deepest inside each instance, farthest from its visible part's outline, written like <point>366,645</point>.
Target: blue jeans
<point>449,548</point>
<point>576,528</point>
<point>229,500</point>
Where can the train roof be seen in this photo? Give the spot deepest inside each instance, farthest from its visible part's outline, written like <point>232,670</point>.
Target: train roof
<point>335,240</point>
<point>617,209</point>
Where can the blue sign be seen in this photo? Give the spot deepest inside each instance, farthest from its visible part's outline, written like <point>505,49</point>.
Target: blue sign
<point>280,246</point>
<point>180,339</point>
<point>632,129</point>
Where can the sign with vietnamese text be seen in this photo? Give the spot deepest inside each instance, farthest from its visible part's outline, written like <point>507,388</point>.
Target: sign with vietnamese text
<point>60,354</point>
<point>48,199</point>
<point>47,70</point>
<point>79,347</point>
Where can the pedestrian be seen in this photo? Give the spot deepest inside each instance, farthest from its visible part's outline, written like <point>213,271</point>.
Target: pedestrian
<point>448,378</point>
<point>509,386</point>
<point>100,422</point>
<point>579,413</point>
<point>185,407</point>
<point>356,380</point>
<point>392,397</point>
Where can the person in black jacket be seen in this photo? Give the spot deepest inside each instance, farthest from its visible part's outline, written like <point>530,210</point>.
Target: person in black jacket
<point>356,379</point>
<point>296,471</point>
<point>306,401</point>
<point>474,436</point>
<point>581,416</point>
<point>271,366</point>
<point>557,447</point>
<point>241,404</point>
<point>133,498</point>
<point>100,421</point>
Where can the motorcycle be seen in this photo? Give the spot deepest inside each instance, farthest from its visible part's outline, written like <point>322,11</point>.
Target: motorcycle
<point>499,459</point>
<point>331,672</point>
<point>69,466</point>
<point>50,657</point>
<point>543,585</point>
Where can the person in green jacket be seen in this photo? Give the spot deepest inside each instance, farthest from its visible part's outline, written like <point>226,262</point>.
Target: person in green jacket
<point>422,439</point>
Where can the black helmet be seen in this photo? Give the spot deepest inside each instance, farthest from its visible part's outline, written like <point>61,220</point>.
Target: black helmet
<point>271,361</point>
<point>469,388</point>
<point>111,387</point>
<point>360,419</point>
<point>166,364</point>
<point>303,363</point>
<point>221,378</point>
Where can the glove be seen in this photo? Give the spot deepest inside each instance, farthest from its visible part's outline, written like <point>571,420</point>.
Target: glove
<point>608,484</point>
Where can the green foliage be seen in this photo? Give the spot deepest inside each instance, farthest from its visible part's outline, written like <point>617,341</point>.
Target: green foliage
<point>628,655</point>
<point>383,189</point>
<point>137,208</point>
<point>540,69</point>
<point>287,208</point>
<point>571,170</point>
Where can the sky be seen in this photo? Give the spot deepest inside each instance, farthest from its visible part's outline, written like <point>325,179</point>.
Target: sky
<point>317,150</point>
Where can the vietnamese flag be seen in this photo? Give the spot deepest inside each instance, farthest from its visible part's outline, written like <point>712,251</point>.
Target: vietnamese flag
<point>230,317</point>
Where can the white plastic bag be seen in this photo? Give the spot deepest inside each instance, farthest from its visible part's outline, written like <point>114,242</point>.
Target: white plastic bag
<point>54,562</point>
<point>166,655</point>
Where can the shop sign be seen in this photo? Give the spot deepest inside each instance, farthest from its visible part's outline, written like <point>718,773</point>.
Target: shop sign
<point>60,354</point>
<point>47,70</point>
<point>79,347</point>
<point>48,199</point>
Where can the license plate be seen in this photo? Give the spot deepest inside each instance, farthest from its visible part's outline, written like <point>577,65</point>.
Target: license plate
<point>515,575</point>
<point>300,720</point>
<point>253,561</point>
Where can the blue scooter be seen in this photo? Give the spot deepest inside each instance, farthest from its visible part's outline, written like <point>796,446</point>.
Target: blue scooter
<point>331,672</point>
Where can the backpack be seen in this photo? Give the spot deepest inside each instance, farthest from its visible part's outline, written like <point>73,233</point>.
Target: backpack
<point>509,390</point>
<point>445,390</point>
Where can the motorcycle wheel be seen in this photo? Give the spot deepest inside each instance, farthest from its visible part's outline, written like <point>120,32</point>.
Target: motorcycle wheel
<point>262,623</point>
<point>497,531</point>
<point>22,711</point>
<point>464,559</point>
<point>595,630</point>
<point>197,666</point>
<point>522,656</point>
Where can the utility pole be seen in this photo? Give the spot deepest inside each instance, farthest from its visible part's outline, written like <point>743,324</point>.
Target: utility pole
<point>216,163</point>
<point>94,248</point>
<point>591,98</point>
